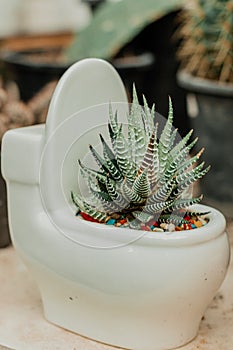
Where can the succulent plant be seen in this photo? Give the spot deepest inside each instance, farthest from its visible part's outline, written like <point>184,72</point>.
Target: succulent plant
<point>144,174</point>
<point>206,33</point>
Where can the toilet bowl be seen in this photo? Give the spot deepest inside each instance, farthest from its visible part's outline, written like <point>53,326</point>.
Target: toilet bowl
<point>128,288</point>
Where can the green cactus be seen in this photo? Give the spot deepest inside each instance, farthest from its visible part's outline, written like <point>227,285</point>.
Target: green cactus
<point>142,175</point>
<point>115,24</point>
<point>206,33</point>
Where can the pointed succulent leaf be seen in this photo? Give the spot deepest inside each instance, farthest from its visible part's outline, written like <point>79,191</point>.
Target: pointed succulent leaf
<point>184,203</point>
<point>147,161</point>
<point>105,201</point>
<point>136,132</point>
<point>142,216</point>
<point>136,109</point>
<point>113,120</point>
<point>178,159</point>
<point>108,153</point>
<point>92,174</point>
<point>94,213</point>
<point>106,166</point>
<point>140,145</point>
<point>141,185</point>
<point>111,188</point>
<point>76,200</point>
<point>162,194</point>
<point>190,173</point>
<point>173,138</point>
<point>111,161</point>
<point>150,160</point>
<point>189,180</point>
<point>135,224</point>
<point>180,145</point>
<point>172,219</point>
<point>190,161</point>
<point>99,160</point>
<point>155,165</point>
<point>148,116</point>
<point>119,200</point>
<point>126,167</point>
<point>131,195</point>
<point>87,208</point>
<point>165,137</point>
<point>197,213</point>
<point>156,207</point>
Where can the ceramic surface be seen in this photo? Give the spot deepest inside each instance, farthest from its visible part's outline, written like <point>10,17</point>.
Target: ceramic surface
<point>141,291</point>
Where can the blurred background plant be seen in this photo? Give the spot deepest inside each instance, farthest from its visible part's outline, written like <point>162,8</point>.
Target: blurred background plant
<point>206,73</point>
<point>206,32</point>
<point>134,35</point>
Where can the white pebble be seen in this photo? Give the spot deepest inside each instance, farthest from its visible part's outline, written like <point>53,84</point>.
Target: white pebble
<point>157,229</point>
<point>171,227</point>
<point>168,227</point>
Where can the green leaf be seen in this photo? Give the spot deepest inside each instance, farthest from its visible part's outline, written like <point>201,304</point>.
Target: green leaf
<point>92,174</point>
<point>141,185</point>
<point>156,207</point>
<point>163,193</point>
<point>164,141</point>
<point>142,216</point>
<point>183,203</point>
<point>130,194</point>
<point>87,208</point>
<point>116,196</point>
<point>115,24</point>
<point>111,161</point>
<point>172,219</point>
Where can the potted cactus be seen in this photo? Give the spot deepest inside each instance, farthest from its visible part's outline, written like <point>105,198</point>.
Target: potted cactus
<point>206,56</point>
<point>141,261</point>
<point>142,192</point>
<point>143,182</point>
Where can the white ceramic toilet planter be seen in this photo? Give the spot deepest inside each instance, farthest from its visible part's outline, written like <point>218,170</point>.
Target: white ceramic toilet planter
<point>143,294</point>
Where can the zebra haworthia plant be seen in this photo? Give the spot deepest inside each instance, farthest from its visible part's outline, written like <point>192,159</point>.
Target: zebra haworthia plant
<point>144,174</point>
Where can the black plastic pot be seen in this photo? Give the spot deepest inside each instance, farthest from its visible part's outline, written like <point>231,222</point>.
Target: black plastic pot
<point>31,70</point>
<point>211,109</point>
<point>4,229</point>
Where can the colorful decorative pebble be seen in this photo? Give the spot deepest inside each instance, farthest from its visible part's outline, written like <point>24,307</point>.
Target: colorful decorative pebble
<point>111,222</point>
<point>190,222</point>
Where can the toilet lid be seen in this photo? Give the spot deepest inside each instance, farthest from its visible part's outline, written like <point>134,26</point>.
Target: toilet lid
<point>86,83</point>
<point>78,112</point>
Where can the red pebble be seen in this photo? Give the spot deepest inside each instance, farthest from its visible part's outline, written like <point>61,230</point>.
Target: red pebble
<point>123,221</point>
<point>87,217</point>
<point>187,227</point>
<point>153,223</point>
<point>145,228</point>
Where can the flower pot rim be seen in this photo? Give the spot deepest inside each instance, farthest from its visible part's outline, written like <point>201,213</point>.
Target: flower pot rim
<point>18,58</point>
<point>140,60</point>
<point>116,237</point>
<point>201,85</point>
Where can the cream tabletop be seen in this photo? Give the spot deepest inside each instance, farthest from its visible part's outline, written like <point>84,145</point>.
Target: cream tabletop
<point>23,327</point>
